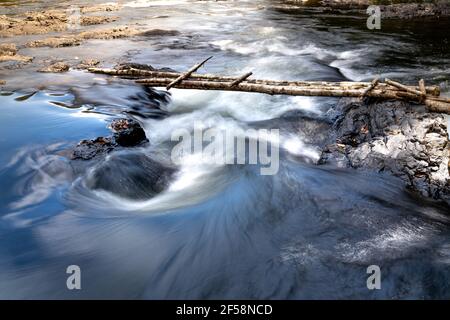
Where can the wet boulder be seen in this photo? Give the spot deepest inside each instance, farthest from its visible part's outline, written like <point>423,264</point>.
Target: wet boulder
<point>9,52</point>
<point>140,66</point>
<point>88,149</point>
<point>131,175</point>
<point>128,132</point>
<point>393,136</point>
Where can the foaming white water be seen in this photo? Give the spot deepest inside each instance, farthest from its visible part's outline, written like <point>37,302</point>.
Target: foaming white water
<point>294,145</point>
<point>280,45</point>
<point>274,45</point>
<point>237,105</point>
<point>345,62</point>
<point>199,175</point>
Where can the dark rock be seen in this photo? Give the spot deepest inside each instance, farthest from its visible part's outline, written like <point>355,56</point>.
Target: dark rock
<point>159,32</point>
<point>393,136</point>
<point>130,65</point>
<point>128,132</point>
<point>128,173</point>
<point>393,9</point>
<point>88,63</point>
<point>416,10</point>
<point>88,149</point>
<point>140,66</point>
<point>131,175</point>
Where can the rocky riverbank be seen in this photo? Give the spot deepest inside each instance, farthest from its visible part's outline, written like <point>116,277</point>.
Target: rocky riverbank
<point>395,137</point>
<point>390,9</point>
<point>29,40</point>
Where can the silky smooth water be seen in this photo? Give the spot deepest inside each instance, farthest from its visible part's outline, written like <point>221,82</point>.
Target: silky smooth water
<point>216,231</point>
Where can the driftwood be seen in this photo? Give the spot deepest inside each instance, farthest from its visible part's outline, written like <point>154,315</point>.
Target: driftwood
<point>144,74</point>
<point>187,74</point>
<point>422,87</point>
<point>240,79</point>
<point>405,88</point>
<point>389,89</point>
<point>372,86</point>
<point>433,103</point>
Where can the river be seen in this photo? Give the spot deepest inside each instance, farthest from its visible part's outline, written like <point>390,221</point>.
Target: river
<point>216,231</point>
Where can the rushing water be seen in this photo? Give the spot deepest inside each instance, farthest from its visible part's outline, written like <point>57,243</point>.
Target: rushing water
<point>215,231</point>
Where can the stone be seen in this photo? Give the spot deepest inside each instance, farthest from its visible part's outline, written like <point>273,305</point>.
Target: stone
<point>8,52</point>
<point>392,9</point>
<point>88,149</point>
<point>403,139</point>
<point>127,132</point>
<point>88,63</point>
<point>57,67</point>
<point>131,175</point>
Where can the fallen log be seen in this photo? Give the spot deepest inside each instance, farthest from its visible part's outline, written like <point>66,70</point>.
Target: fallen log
<point>434,104</point>
<point>187,74</point>
<point>372,86</point>
<point>136,73</point>
<point>240,79</point>
<point>422,87</point>
<point>405,88</point>
<point>390,89</point>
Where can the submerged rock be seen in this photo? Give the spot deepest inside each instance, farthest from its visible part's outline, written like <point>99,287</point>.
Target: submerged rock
<point>130,175</point>
<point>8,49</point>
<point>33,23</point>
<point>126,172</point>
<point>93,20</point>
<point>8,52</point>
<point>140,66</point>
<point>88,63</point>
<point>110,33</point>
<point>393,136</point>
<point>76,40</point>
<point>107,7</point>
<point>159,33</point>
<point>55,20</point>
<point>57,67</point>
<point>55,42</point>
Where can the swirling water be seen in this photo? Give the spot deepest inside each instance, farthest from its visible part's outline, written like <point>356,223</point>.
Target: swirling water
<point>216,231</point>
